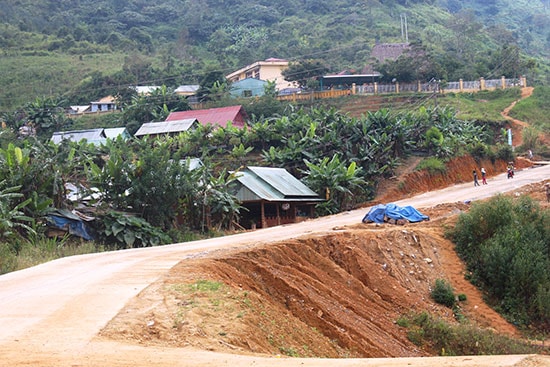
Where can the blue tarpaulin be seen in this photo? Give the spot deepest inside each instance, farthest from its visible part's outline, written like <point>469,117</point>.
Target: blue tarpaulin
<point>69,222</point>
<point>380,213</point>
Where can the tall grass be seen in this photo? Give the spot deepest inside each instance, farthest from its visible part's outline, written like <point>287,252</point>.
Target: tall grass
<point>24,254</point>
<point>481,106</point>
<point>535,110</point>
<point>465,338</point>
<point>27,77</point>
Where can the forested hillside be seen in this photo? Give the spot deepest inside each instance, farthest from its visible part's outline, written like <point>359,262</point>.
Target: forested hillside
<point>76,48</point>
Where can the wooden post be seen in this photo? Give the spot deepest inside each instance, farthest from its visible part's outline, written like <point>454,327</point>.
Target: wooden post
<point>503,82</point>
<point>461,85</point>
<point>375,87</point>
<point>264,223</point>
<point>482,83</point>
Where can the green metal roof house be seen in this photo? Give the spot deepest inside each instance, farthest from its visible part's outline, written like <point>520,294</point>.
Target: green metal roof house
<point>273,197</point>
<point>249,87</point>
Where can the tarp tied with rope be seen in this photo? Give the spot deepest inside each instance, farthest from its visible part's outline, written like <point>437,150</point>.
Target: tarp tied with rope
<point>385,212</point>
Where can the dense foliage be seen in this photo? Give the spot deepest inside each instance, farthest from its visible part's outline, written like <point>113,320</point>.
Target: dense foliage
<point>340,157</point>
<point>109,44</point>
<point>506,245</point>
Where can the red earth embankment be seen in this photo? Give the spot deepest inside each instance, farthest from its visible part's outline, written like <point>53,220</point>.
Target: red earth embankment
<point>459,170</point>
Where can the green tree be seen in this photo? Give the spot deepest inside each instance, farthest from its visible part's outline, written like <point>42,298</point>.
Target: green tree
<point>213,80</point>
<point>305,72</point>
<point>335,181</point>
<point>46,114</point>
<point>505,245</point>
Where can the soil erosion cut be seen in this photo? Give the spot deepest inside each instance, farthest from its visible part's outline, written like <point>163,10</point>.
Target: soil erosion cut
<point>320,296</point>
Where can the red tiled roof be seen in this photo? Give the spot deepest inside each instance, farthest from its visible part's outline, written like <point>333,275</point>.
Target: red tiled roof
<point>214,116</point>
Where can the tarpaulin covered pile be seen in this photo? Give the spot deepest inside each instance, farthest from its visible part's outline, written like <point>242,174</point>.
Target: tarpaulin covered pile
<point>70,222</point>
<point>382,213</point>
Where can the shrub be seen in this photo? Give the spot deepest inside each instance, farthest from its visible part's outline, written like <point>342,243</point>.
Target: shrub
<point>478,151</point>
<point>433,165</point>
<point>505,153</point>
<point>443,293</point>
<point>504,243</point>
<point>125,231</point>
<point>461,339</point>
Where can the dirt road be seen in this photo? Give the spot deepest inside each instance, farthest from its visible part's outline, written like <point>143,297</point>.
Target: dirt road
<point>51,314</point>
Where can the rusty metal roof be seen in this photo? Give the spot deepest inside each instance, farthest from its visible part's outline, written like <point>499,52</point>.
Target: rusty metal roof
<point>272,184</point>
<point>215,116</point>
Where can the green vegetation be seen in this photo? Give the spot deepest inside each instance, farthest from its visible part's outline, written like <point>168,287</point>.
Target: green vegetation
<point>481,106</point>
<point>433,165</point>
<point>49,49</point>
<point>535,109</point>
<point>28,77</point>
<point>504,243</point>
<point>340,157</point>
<point>443,293</point>
<point>462,339</point>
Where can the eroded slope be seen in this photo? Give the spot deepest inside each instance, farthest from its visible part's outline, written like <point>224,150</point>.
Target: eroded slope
<point>333,295</point>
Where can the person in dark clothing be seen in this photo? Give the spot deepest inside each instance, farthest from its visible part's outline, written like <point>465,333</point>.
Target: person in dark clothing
<point>476,183</point>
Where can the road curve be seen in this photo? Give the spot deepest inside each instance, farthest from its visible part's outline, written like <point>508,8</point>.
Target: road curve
<point>51,314</point>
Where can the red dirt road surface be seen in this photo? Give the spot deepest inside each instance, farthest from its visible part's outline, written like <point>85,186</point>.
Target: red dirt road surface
<point>310,283</point>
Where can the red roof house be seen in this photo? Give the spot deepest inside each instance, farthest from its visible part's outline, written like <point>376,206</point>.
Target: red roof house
<point>213,116</point>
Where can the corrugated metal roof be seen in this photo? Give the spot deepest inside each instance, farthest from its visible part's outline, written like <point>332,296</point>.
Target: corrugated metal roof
<point>91,135</point>
<point>282,181</point>
<point>214,116</point>
<point>194,163</point>
<point>165,127</point>
<point>273,184</point>
<point>257,188</point>
<point>191,88</point>
<point>114,132</point>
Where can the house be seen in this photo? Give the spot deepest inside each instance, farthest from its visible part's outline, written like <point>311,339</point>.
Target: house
<point>94,136</point>
<point>104,104</point>
<point>236,115</point>
<point>77,110</point>
<point>145,90</point>
<point>173,127</point>
<point>187,90</point>
<point>382,52</point>
<point>268,70</point>
<point>115,132</point>
<point>248,87</point>
<point>272,196</point>
<point>90,135</point>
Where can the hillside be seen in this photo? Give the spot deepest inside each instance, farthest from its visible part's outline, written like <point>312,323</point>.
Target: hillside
<point>337,295</point>
<point>79,54</point>
<point>115,308</point>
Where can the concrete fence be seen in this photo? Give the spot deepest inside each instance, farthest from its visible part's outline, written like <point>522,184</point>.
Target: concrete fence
<point>430,87</point>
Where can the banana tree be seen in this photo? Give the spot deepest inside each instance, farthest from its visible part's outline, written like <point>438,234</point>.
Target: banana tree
<point>12,218</point>
<point>337,183</point>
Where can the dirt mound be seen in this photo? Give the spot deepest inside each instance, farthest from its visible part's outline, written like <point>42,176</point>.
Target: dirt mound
<point>321,296</point>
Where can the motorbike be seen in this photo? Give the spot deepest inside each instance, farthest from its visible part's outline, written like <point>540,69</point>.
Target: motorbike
<point>510,173</point>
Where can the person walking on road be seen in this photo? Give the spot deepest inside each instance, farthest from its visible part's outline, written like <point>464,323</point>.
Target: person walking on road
<point>476,183</point>
<point>483,176</point>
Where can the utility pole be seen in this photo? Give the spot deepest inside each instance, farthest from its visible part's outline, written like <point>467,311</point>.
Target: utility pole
<point>404,28</point>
